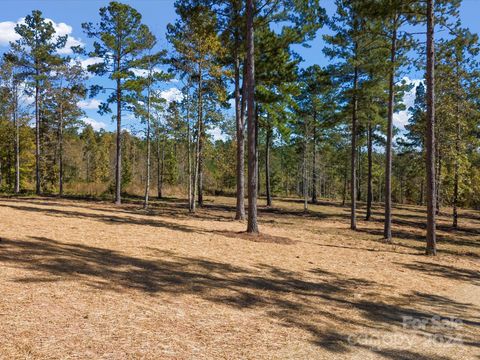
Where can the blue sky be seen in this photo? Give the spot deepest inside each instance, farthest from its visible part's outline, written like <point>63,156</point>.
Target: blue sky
<point>68,16</point>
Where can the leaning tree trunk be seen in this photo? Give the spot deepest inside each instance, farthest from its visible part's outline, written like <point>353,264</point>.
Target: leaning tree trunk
<point>387,229</point>
<point>369,175</point>
<point>431,246</point>
<point>267,165</point>
<point>252,226</point>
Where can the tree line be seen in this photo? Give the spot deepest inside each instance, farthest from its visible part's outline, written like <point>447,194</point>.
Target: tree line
<point>314,132</point>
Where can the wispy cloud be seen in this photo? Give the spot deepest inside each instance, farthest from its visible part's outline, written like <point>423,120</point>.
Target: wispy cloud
<point>90,104</point>
<point>8,34</point>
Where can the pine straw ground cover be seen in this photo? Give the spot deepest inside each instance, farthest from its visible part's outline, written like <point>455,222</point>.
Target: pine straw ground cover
<point>87,280</point>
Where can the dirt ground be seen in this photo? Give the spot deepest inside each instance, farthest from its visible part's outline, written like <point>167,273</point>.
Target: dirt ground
<point>88,280</point>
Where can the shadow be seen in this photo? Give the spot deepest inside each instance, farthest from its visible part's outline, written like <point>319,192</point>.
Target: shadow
<point>323,304</point>
<point>445,271</point>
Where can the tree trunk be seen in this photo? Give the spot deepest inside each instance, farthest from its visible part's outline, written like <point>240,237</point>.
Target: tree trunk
<point>456,175</point>
<point>252,226</point>
<point>189,159</point>
<point>60,140</point>
<point>159,165</point>
<point>240,122</point>
<point>431,247</point>
<point>314,161</point>
<point>38,188</point>
<point>457,155</point>
<point>17,140</point>
<point>267,165</point>
<point>345,181</point>
<point>198,142</point>
<point>304,168</point>
<point>118,156</point>
<point>387,229</point>
<point>147,135</point>
<point>353,179</point>
<point>200,139</point>
<point>369,175</point>
<point>359,171</point>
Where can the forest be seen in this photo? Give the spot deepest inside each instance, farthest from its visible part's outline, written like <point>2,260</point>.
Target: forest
<point>219,127</point>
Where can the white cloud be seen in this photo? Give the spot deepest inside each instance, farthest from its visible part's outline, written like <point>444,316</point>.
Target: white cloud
<point>91,104</point>
<point>172,94</point>
<point>96,125</point>
<point>400,119</point>
<point>90,61</point>
<point>7,34</point>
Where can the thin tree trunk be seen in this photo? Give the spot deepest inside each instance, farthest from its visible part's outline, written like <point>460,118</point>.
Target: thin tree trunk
<point>457,155</point>
<point>198,143</point>
<point>200,139</point>
<point>189,158</point>
<point>369,175</point>
<point>159,165</point>
<point>267,166</point>
<point>359,170</point>
<point>38,188</point>
<point>387,230</point>
<point>240,123</point>
<point>252,226</point>
<point>353,179</point>
<point>118,155</point>
<point>456,175</point>
<point>345,181</point>
<point>304,168</point>
<point>147,180</point>
<point>314,161</point>
<point>17,140</point>
<point>60,139</point>
<point>431,247</point>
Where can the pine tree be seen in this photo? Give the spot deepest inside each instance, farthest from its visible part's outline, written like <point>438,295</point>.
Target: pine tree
<point>35,54</point>
<point>121,38</point>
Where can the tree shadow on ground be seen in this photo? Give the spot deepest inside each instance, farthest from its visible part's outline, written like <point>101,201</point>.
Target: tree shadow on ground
<point>322,303</point>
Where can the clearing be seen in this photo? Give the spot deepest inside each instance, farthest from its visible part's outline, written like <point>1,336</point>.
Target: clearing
<point>85,279</point>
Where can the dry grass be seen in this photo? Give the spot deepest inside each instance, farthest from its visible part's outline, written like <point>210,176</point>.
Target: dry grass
<point>87,280</point>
